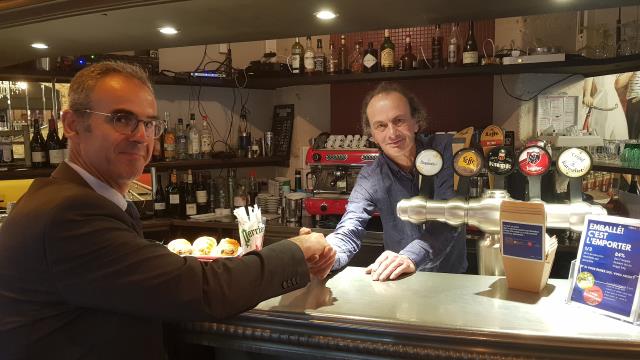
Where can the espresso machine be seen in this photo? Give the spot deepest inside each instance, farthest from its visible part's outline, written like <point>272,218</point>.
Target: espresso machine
<point>334,161</point>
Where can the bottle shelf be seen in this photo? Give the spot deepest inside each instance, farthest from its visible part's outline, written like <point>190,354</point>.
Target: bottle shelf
<point>220,163</point>
<point>614,167</point>
<point>573,65</point>
<point>21,172</point>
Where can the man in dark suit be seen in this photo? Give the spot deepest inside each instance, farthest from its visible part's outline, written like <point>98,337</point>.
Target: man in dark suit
<point>78,280</point>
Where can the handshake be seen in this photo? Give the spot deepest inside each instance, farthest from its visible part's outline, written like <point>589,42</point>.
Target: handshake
<point>319,254</point>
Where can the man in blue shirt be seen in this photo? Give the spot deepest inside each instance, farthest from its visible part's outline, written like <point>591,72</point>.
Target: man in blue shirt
<point>393,117</point>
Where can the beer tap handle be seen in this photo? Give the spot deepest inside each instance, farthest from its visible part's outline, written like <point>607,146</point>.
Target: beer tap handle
<point>574,163</point>
<point>534,161</point>
<point>428,163</point>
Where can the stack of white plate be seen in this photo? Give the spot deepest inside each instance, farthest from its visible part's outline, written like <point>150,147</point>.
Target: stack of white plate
<point>268,203</point>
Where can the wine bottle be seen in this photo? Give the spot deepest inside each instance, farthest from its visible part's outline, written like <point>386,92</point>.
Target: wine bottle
<point>436,48</point>
<point>370,59</point>
<point>159,200</point>
<point>190,204</point>
<point>39,155</point>
<point>65,146</point>
<point>173,194</point>
<point>452,50</point>
<point>202,196</point>
<point>343,56</point>
<point>332,63</point>
<point>387,53</point>
<point>297,54</point>
<point>309,55</point>
<point>54,145</point>
<point>408,59</point>
<point>470,51</point>
<point>253,188</point>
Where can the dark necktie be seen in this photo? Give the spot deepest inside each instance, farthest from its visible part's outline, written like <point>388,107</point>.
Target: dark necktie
<point>132,211</point>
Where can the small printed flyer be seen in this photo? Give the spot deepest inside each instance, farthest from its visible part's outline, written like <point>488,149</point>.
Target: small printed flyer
<point>522,240</point>
<point>608,264</point>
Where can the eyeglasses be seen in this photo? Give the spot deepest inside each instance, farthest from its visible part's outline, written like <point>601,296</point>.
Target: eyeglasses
<point>127,123</point>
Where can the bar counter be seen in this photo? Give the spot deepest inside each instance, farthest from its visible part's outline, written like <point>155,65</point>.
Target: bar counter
<point>425,315</point>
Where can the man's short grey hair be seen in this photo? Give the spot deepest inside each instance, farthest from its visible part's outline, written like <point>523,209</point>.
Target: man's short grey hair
<point>84,82</point>
<point>417,110</point>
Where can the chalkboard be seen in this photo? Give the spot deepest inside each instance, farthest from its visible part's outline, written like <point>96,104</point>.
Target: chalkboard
<point>282,128</point>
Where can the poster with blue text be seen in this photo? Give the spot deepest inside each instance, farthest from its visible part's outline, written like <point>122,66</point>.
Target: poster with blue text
<point>606,276</point>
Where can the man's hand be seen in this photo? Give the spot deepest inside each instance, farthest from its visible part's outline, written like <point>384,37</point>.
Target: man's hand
<point>318,253</point>
<point>390,265</point>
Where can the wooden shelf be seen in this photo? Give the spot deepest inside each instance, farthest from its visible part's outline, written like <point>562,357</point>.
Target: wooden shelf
<point>17,173</point>
<point>220,163</point>
<point>573,65</point>
<point>614,167</point>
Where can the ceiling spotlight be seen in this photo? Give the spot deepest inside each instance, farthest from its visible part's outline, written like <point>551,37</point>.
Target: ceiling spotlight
<point>325,15</point>
<point>39,46</point>
<point>168,30</point>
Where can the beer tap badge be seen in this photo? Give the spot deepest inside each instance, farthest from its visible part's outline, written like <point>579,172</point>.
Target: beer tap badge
<point>574,162</point>
<point>501,160</point>
<point>429,162</point>
<point>534,161</point>
<point>468,162</point>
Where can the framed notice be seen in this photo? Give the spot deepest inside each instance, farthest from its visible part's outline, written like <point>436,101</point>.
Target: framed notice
<point>558,111</point>
<point>605,275</point>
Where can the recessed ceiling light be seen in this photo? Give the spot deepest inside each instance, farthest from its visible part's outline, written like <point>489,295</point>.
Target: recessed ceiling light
<point>39,46</point>
<point>168,30</point>
<point>325,15</point>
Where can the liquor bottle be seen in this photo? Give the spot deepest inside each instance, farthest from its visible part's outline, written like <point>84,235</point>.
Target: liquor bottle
<point>193,141</point>
<point>158,148</point>
<point>452,50</point>
<point>202,196</point>
<point>297,54</point>
<point>169,140</point>
<point>240,196</point>
<point>332,62</point>
<point>54,145</point>
<point>190,203</point>
<point>206,138</point>
<point>183,196</point>
<point>436,48</point>
<point>181,141</point>
<point>39,155</point>
<point>309,56</point>
<point>231,187</point>
<point>159,200</point>
<point>221,186</point>
<point>470,51</point>
<point>370,59</point>
<point>213,195</point>
<point>387,53</point>
<point>408,60</point>
<point>65,146</point>
<point>356,58</point>
<point>252,188</point>
<point>173,193</point>
<point>343,56</point>
<point>319,59</point>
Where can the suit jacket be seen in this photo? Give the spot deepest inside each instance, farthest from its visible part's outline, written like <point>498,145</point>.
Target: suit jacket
<point>78,281</point>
